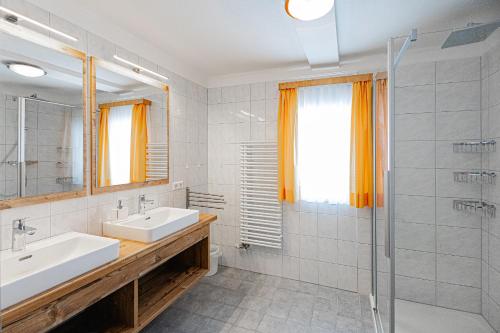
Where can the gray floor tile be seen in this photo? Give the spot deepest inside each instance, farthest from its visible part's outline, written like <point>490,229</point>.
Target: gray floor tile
<point>232,297</point>
<point>324,319</point>
<point>229,314</point>
<point>249,319</point>
<point>279,309</point>
<point>301,314</point>
<point>236,329</point>
<point>270,324</point>
<point>214,326</point>
<point>238,301</point>
<point>209,308</point>
<point>255,303</point>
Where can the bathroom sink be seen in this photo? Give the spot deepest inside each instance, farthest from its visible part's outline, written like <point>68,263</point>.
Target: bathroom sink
<point>152,226</point>
<point>49,262</point>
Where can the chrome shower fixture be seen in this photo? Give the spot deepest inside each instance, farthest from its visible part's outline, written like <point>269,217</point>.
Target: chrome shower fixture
<point>473,33</point>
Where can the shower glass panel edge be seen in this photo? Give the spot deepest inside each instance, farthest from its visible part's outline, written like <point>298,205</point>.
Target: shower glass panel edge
<point>383,282</point>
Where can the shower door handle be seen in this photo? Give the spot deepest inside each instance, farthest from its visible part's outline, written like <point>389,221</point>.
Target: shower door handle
<point>387,213</point>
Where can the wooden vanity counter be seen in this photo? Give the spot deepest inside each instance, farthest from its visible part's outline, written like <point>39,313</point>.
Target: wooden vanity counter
<point>123,295</point>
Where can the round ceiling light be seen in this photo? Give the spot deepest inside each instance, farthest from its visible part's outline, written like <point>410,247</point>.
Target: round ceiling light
<point>25,69</point>
<point>308,10</point>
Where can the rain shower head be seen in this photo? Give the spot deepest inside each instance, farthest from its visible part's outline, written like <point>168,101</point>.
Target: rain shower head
<point>474,33</point>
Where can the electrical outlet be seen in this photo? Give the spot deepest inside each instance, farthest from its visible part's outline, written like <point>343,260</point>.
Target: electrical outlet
<point>178,185</point>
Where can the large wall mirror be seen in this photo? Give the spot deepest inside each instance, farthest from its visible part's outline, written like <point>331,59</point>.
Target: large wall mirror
<point>42,119</point>
<point>130,128</point>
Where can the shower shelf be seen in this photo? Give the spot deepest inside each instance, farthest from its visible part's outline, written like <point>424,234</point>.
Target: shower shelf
<point>64,180</point>
<point>475,147</point>
<point>475,207</point>
<point>474,177</point>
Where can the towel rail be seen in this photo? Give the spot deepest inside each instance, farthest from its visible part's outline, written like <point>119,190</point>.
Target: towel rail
<point>260,211</point>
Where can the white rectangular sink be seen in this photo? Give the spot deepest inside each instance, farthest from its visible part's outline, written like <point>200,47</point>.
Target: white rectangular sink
<point>49,262</point>
<point>152,226</point>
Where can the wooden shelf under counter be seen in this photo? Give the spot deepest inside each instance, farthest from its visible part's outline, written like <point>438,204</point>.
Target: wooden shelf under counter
<point>123,295</point>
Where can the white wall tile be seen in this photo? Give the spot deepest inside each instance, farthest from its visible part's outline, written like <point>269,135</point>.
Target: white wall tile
<point>348,253</point>
<point>348,278</point>
<point>415,127</point>
<point>416,74</point>
<point>291,267</point>
<point>309,247</point>
<point>327,225</point>
<point>415,236</point>
<point>458,96</point>
<point>415,154</point>
<point>418,209</point>
<point>459,270</point>
<point>459,241</point>
<point>417,290</point>
<point>416,264</point>
<point>458,70</point>
<point>415,181</point>
<point>308,224</point>
<point>415,99</point>
<point>328,275</point>
<point>309,271</point>
<point>458,125</point>
<point>327,250</point>
<point>258,91</point>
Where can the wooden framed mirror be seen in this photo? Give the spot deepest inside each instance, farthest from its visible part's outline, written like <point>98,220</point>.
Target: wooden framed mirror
<point>130,128</point>
<point>42,118</point>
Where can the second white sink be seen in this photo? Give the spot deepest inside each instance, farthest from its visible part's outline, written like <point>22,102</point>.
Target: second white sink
<point>152,226</point>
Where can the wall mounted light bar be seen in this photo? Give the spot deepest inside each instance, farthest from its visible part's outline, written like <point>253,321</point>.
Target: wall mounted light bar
<point>138,68</point>
<point>38,24</point>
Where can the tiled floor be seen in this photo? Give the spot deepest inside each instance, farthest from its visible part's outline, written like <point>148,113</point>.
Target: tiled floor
<point>238,301</point>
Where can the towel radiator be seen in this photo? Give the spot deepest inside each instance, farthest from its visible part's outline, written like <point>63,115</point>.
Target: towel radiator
<point>156,161</point>
<point>204,200</point>
<point>260,210</point>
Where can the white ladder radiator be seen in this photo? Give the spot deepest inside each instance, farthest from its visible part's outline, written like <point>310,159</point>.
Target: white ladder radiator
<point>260,210</point>
<point>156,161</point>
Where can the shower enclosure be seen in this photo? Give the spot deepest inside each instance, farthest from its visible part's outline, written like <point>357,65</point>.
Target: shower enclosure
<point>436,240</point>
<point>40,155</point>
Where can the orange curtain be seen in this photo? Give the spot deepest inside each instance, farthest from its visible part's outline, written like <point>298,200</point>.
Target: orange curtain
<point>103,174</point>
<point>287,133</point>
<point>381,138</point>
<point>138,143</point>
<point>361,174</point>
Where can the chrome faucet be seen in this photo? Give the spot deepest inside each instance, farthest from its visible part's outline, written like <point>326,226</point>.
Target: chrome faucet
<point>142,204</point>
<point>19,231</point>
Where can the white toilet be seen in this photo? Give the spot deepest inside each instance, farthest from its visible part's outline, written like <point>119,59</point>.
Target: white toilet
<point>214,259</point>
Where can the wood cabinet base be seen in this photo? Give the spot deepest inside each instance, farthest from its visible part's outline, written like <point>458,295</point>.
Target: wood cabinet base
<point>124,295</point>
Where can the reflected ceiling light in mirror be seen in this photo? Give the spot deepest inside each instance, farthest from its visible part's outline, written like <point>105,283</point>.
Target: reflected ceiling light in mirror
<point>38,24</point>
<point>308,10</point>
<point>25,69</point>
<point>136,68</point>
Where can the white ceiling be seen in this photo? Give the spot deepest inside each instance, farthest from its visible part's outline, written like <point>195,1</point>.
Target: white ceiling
<point>224,37</point>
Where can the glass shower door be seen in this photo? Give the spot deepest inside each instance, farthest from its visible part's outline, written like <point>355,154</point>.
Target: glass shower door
<point>380,262</point>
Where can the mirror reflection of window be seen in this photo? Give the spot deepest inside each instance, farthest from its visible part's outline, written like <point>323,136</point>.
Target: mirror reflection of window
<point>123,142</point>
<point>130,128</point>
<point>120,126</point>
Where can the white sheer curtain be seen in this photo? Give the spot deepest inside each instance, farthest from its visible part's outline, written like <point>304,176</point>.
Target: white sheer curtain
<point>120,126</point>
<point>323,140</point>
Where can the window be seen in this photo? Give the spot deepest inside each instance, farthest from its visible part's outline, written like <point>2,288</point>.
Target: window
<point>323,143</point>
<point>120,126</point>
